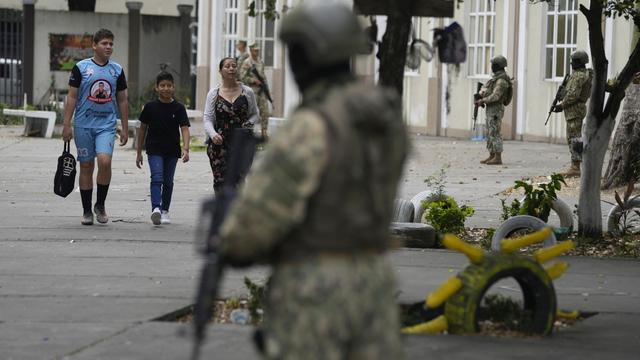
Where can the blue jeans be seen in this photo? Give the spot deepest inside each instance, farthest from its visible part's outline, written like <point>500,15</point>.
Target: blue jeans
<point>162,170</point>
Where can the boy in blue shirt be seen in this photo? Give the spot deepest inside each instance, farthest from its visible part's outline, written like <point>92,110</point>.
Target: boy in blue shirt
<point>162,120</point>
<point>97,92</point>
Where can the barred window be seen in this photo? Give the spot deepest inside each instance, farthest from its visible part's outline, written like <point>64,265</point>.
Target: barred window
<point>482,24</point>
<point>562,16</point>
<point>231,35</point>
<point>265,34</point>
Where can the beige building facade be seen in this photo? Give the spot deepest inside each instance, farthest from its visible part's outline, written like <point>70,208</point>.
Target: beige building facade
<point>537,40</point>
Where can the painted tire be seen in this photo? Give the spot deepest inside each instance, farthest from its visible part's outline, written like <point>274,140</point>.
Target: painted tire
<point>520,222</point>
<point>613,218</point>
<point>537,290</point>
<point>563,211</point>
<point>402,211</point>
<point>417,204</point>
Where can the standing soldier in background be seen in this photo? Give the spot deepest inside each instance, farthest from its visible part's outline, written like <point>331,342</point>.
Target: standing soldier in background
<point>318,204</point>
<point>252,74</point>
<point>574,106</point>
<point>496,94</point>
<point>243,55</point>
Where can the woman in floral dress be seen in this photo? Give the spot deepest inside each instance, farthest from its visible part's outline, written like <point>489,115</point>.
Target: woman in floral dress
<point>229,106</point>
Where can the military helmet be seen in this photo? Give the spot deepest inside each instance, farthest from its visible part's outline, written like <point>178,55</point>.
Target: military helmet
<point>580,57</point>
<point>500,60</point>
<point>328,33</point>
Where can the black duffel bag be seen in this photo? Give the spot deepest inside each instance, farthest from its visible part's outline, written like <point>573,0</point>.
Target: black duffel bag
<point>65,179</point>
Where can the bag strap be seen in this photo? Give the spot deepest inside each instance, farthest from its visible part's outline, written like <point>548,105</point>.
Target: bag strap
<point>67,146</point>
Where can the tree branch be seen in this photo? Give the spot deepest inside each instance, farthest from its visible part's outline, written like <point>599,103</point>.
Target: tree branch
<point>600,62</point>
<point>623,80</point>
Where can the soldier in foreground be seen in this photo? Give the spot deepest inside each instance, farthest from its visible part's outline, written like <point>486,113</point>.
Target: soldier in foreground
<point>496,94</point>
<point>574,106</point>
<point>317,205</point>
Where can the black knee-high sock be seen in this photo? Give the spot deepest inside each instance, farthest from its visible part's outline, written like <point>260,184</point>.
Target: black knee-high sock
<point>102,194</point>
<point>86,195</point>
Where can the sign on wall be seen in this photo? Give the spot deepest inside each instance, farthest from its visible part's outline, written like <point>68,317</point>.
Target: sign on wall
<point>67,49</point>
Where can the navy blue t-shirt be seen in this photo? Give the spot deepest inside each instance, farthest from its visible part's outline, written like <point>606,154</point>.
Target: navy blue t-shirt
<point>163,132</point>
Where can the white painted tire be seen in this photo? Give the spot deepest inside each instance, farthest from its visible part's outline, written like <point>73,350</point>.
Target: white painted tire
<point>563,211</point>
<point>520,222</point>
<point>417,204</point>
<point>402,211</point>
<point>613,218</point>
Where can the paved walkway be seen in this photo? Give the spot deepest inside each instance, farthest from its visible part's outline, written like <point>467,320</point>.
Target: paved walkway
<point>74,292</point>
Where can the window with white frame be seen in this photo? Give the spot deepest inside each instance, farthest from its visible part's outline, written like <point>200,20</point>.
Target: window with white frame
<point>562,18</point>
<point>482,25</point>
<point>232,19</point>
<point>265,33</point>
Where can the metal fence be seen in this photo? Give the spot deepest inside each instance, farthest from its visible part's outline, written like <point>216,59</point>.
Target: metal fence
<point>11,39</point>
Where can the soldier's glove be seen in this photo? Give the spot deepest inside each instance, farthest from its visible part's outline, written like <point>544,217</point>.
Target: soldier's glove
<point>558,108</point>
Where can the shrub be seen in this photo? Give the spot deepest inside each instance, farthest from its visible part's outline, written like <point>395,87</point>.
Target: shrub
<point>537,201</point>
<point>445,215</point>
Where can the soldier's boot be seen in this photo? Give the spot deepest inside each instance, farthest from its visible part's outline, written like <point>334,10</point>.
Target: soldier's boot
<point>574,169</point>
<point>491,155</point>
<point>496,159</point>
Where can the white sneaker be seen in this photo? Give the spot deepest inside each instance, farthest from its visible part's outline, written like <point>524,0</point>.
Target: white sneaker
<point>164,217</point>
<point>155,216</point>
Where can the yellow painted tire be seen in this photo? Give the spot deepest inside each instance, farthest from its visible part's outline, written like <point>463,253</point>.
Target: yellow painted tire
<point>537,290</point>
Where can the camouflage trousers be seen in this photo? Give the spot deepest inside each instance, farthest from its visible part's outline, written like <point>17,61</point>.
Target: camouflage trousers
<point>332,308</point>
<point>574,135</point>
<point>263,107</point>
<point>494,128</point>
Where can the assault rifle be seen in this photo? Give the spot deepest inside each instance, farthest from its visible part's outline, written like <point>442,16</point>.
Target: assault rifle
<point>207,242</point>
<point>476,97</point>
<point>559,96</point>
<point>263,84</point>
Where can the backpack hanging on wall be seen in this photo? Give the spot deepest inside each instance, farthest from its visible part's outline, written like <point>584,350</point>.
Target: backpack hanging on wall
<point>65,178</point>
<point>452,48</point>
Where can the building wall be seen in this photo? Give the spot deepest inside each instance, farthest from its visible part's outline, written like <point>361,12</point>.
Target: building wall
<point>150,7</point>
<point>160,43</point>
<point>520,35</point>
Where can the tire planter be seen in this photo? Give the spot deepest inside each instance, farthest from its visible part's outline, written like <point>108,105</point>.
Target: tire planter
<point>520,222</point>
<point>403,211</point>
<point>417,204</point>
<point>538,292</point>
<point>563,211</point>
<point>613,218</point>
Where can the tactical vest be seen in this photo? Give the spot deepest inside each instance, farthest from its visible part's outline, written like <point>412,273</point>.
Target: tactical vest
<point>508,95</point>
<point>585,92</point>
<point>352,208</point>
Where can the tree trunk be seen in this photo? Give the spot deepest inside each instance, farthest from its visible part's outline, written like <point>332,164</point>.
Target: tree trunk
<point>625,152</point>
<point>393,50</point>
<point>589,208</point>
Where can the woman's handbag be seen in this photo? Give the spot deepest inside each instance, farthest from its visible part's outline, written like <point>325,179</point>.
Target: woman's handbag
<point>65,179</point>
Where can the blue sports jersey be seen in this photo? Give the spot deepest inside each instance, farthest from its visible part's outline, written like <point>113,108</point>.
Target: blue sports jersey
<point>97,85</point>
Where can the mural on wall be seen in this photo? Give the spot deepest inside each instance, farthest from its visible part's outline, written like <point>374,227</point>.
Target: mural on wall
<point>68,49</point>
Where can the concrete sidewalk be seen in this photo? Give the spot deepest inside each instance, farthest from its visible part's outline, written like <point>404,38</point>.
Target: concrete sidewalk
<point>74,292</point>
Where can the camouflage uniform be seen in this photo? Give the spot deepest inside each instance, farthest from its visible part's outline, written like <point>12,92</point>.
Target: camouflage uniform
<point>250,79</point>
<point>317,206</point>
<point>494,93</point>
<point>573,103</point>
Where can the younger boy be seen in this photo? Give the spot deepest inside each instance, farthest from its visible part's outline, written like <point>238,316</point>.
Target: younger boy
<point>160,121</point>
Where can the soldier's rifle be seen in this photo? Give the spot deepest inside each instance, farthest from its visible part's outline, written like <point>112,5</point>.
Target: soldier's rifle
<point>213,214</point>
<point>558,97</point>
<point>263,84</point>
<point>476,97</point>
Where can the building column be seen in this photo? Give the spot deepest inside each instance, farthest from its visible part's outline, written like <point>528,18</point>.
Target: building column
<point>28,27</point>
<point>133,79</point>
<point>185,45</point>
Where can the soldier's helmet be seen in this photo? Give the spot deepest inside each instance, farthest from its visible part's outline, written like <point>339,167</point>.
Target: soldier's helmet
<point>500,61</point>
<point>328,33</point>
<point>580,57</point>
